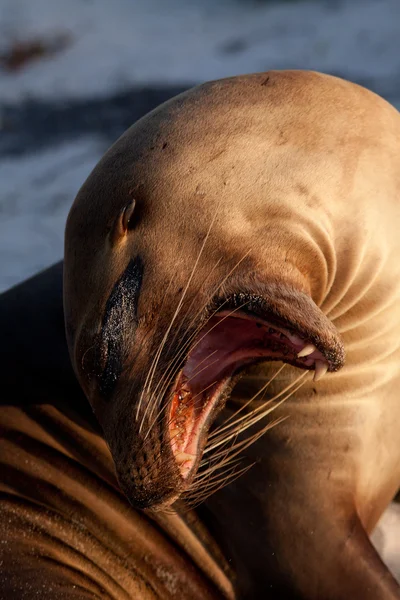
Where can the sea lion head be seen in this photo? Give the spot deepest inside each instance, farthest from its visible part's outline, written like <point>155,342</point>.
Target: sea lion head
<point>192,253</point>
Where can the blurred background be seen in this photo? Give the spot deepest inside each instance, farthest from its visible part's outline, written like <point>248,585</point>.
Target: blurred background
<point>75,74</point>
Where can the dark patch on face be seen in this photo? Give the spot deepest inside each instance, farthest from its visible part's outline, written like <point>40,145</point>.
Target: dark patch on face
<point>119,318</point>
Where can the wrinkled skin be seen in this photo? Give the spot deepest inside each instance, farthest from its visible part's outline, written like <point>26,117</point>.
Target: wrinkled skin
<point>282,187</point>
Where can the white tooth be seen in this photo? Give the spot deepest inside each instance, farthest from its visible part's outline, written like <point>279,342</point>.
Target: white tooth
<point>182,457</point>
<point>308,349</point>
<point>320,369</point>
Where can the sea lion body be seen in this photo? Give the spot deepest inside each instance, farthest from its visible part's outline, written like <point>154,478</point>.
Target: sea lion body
<point>277,191</point>
<point>66,529</point>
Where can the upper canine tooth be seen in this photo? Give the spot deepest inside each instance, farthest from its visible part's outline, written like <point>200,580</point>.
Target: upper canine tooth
<point>182,457</point>
<point>320,369</point>
<point>308,349</point>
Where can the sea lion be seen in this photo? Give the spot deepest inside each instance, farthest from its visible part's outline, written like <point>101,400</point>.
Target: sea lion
<point>250,220</point>
<point>232,244</point>
<point>66,529</point>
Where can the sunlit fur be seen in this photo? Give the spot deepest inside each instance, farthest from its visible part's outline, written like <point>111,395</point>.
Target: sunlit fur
<point>284,185</point>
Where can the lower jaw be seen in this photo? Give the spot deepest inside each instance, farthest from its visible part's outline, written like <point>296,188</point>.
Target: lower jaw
<point>188,456</point>
<point>163,504</point>
<point>188,453</point>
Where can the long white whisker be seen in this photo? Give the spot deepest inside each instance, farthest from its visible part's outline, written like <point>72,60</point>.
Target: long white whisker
<point>225,317</point>
<point>178,308</point>
<point>252,420</point>
<point>225,426</point>
<point>200,312</point>
<point>166,405</point>
<point>246,404</point>
<point>158,317</point>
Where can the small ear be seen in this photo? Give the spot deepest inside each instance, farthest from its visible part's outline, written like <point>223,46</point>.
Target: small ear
<point>127,214</point>
<point>123,223</point>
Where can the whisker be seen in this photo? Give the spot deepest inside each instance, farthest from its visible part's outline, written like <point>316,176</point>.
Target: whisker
<point>221,468</point>
<point>225,426</point>
<point>167,404</point>
<point>205,475</point>
<point>182,351</point>
<point>193,301</point>
<point>84,356</point>
<point>219,460</point>
<point>228,315</point>
<point>162,392</point>
<point>253,418</point>
<point>200,363</point>
<point>201,487</point>
<point>212,295</point>
<point>215,488</point>
<point>215,290</point>
<point>201,370</point>
<point>177,310</point>
<point>240,446</point>
<point>166,386</point>
<point>172,368</point>
<point>141,345</point>
<point>260,391</point>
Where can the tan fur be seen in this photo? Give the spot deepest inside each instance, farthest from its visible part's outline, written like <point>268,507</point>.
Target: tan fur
<point>67,531</point>
<point>301,173</point>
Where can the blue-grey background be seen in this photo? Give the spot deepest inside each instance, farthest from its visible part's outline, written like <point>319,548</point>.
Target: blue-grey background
<point>74,75</point>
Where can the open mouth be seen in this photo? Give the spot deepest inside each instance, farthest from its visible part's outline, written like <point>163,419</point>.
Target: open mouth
<point>228,344</point>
